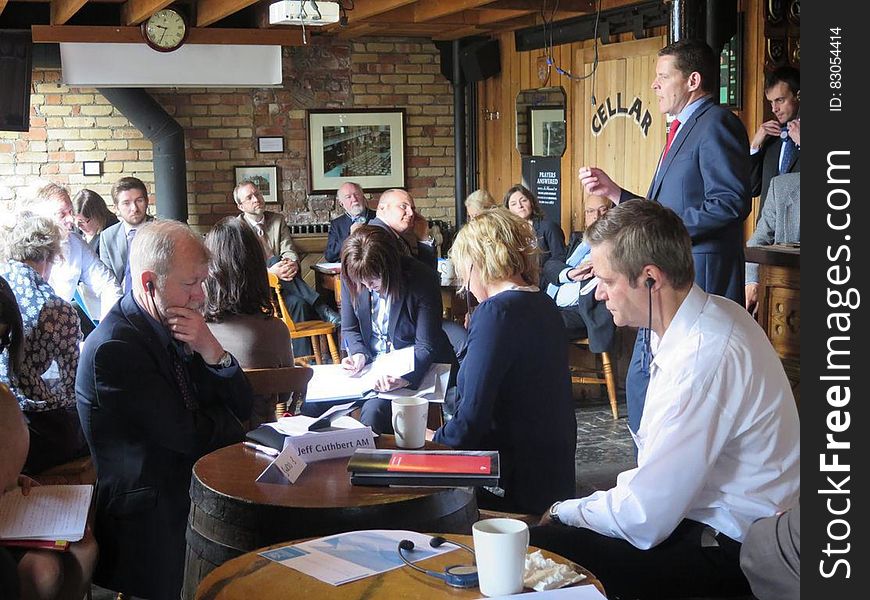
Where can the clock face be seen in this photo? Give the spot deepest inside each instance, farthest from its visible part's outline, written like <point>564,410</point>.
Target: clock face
<point>165,30</point>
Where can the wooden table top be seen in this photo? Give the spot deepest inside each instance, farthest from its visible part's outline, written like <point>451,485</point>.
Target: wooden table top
<point>252,576</point>
<point>232,472</point>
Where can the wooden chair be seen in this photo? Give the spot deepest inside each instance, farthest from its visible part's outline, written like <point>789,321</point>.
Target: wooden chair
<point>280,380</point>
<point>316,330</point>
<point>604,376</point>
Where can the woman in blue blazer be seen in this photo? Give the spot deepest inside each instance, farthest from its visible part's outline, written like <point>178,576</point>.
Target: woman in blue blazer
<point>513,388</point>
<point>550,238</point>
<point>388,302</point>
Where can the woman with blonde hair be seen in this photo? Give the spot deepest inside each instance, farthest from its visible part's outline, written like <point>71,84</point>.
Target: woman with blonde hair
<point>477,202</point>
<point>514,389</point>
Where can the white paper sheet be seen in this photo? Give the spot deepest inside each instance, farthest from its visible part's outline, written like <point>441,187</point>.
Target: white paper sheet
<point>48,512</point>
<point>433,386</point>
<point>331,382</point>
<point>346,557</point>
<point>581,592</point>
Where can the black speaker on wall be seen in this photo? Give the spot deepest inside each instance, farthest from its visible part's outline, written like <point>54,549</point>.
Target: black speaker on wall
<point>478,60</point>
<point>721,22</point>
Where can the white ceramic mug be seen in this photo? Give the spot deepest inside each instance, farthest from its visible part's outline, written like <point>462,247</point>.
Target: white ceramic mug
<point>500,547</point>
<point>409,421</point>
<point>447,271</point>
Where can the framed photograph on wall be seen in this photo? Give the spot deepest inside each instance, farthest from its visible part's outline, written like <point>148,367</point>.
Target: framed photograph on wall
<point>266,179</point>
<point>547,124</point>
<point>359,145</point>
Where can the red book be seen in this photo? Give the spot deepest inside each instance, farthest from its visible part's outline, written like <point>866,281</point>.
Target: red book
<point>440,463</point>
<point>459,468</point>
<point>59,545</point>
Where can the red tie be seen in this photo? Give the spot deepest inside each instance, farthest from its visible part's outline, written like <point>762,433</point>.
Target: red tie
<point>672,133</point>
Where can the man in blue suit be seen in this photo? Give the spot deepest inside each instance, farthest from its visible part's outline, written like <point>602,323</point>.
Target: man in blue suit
<point>353,201</point>
<point>703,175</point>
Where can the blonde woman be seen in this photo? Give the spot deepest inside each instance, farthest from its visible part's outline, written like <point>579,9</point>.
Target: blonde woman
<point>477,202</point>
<point>514,389</point>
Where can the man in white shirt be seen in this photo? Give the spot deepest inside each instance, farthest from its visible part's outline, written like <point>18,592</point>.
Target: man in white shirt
<point>78,264</point>
<point>718,443</point>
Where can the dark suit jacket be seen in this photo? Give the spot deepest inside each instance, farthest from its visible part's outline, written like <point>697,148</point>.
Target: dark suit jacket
<point>551,243</point>
<point>514,396</point>
<point>765,166</point>
<point>144,442</point>
<point>339,229</point>
<point>705,179</point>
<point>415,320</point>
<point>113,249</point>
<point>425,253</point>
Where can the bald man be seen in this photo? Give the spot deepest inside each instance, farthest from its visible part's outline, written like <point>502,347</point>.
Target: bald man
<point>398,214</point>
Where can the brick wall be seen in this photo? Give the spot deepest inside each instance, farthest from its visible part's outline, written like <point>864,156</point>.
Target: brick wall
<point>70,125</point>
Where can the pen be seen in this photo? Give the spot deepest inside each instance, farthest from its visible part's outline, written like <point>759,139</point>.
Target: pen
<point>261,448</point>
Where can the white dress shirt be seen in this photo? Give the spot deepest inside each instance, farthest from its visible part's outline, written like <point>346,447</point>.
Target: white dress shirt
<point>719,439</point>
<point>78,263</point>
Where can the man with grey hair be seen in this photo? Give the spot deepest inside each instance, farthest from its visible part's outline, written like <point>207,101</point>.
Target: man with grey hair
<point>356,213</point>
<point>398,214</point>
<point>78,264</point>
<point>155,391</point>
<point>719,443</point>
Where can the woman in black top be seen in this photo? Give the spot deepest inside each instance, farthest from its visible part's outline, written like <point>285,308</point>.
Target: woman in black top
<point>551,241</point>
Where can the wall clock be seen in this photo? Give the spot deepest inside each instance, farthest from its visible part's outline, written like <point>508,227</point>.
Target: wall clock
<point>165,30</point>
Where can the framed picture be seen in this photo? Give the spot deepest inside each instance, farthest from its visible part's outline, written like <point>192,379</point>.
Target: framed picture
<point>547,124</point>
<point>270,144</point>
<point>266,179</point>
<point>92,168</point>
<point>363,146</point>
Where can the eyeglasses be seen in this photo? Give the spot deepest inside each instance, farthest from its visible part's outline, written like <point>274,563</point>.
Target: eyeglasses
<point>600,211</point>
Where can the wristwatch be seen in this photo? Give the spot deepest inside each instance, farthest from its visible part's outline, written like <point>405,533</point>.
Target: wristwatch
<point>225,361</point>
<point>553,512</point>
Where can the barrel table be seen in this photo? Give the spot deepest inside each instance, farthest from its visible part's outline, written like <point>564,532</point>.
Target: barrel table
<point>231,514</point>
<point>252,576</point>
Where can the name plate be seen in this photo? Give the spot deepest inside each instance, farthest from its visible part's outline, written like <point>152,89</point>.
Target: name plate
<point>301,450</point>
<point>324,445</point>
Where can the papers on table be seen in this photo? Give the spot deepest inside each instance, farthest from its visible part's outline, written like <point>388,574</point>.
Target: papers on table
<point>433,386</point>
<point>48,512</point>
<point>332,382</point>
<point>328,267</point>
<point>346,557</point>
<point>581,592</point>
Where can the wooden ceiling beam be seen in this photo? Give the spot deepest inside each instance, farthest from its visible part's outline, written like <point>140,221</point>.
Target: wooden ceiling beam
<point>212,11</point>
<point>63,10</point>
<point>485,16</point>
<point>426,11</point>
<point>365,9</point>
<point>134,12</point>
<point>283,36</point>
<point>580,6</point>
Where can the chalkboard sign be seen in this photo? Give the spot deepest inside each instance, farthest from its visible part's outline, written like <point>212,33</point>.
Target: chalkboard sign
<point>543,176</point>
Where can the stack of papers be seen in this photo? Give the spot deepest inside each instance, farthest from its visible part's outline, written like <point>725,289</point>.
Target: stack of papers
<point>48,513</point>
<point>332,382</point>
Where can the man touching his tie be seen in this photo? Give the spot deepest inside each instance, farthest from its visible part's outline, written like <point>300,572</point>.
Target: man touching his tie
<point>775,148</point>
